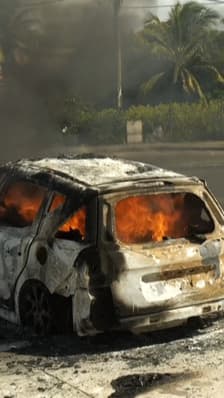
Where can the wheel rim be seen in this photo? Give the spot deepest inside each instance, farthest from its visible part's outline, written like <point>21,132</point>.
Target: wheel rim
<point>36,309</point>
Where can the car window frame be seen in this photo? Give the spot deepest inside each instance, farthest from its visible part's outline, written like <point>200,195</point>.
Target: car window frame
<point>61,218</point>
<point>7,182</point>
<point>112,201</point>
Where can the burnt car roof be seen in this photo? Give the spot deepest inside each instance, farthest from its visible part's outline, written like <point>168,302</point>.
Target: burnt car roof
<point>96,174</point>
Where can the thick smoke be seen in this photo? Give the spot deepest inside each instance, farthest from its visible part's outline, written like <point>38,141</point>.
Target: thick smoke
<point>60,49</point>
<point>57,49</point>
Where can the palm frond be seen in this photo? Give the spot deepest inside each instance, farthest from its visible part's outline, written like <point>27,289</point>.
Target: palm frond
<point>152,19</point>
<point>198,90</point>
<point>184,82</point>
<point>184,41</point>
<point>218,75</point>
<point>151,83</point>
<point>194,85</point>
<point>189,85</point>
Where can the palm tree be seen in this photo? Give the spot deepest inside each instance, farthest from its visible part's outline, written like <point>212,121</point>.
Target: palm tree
<point>181,43</point>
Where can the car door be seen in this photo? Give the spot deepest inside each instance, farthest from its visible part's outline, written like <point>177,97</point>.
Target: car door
<point>20,208</point>
<point>62,236</point>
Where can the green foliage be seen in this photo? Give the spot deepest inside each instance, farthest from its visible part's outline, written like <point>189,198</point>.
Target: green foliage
<point>182,122</point>
<point>93,128</point>
<point>107,127</point>
<point>183,41</point>
<point>178,122</point>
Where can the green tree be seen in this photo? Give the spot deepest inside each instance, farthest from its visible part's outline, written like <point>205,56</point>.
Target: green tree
<point>181,43</point>
<point>216,56</point>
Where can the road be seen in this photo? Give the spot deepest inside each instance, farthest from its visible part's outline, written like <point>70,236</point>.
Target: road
<point>206,164</point>
<point>184,362</point>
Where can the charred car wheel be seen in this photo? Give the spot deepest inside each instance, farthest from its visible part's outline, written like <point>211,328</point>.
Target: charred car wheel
<point>35,308</point>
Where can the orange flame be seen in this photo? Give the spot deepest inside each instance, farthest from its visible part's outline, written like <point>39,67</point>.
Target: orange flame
<point>58,201</point>
<point>150,218</point>
<point>76,223</point>
<point>21,203</point>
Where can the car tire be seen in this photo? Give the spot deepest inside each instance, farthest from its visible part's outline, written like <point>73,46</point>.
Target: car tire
<point>62,310</point>
<point>35,308</point>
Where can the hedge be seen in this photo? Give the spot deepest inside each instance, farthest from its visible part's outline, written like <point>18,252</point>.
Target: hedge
<point>182,122</point>
<point>177,122</point>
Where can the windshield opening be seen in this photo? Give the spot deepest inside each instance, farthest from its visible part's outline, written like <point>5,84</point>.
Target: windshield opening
<point>75,227</point>
<point>158,217</point>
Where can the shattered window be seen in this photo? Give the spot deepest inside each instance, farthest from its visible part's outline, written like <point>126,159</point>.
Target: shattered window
<point>75,227</point>
<point>141,219</point>
<point>21,204</point>
<point>58,201</point>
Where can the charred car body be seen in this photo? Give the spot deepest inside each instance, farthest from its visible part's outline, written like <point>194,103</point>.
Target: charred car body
<point>98,243</point>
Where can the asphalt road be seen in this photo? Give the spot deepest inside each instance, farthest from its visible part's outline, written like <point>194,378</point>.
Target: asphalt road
<point>206,164</point>
<point>203,159</point>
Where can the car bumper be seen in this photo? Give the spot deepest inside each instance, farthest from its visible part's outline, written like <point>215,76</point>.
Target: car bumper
<point>170,318</point>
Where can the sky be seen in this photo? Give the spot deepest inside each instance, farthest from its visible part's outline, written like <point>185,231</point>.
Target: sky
<point>162,8</point>
<point>137,8</point>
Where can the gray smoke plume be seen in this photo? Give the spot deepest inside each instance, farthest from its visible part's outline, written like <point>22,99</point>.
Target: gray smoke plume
<point>64,48</point>
<point>57,49</point>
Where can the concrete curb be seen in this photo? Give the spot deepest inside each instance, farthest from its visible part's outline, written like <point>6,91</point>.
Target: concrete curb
<point>162,146</point>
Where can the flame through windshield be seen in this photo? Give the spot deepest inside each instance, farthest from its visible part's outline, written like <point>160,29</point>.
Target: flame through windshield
<point>140,219</point>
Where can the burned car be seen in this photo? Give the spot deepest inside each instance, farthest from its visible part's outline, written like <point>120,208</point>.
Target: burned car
<point>96,243</point>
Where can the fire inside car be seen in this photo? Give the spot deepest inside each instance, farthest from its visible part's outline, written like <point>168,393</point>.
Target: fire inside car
<point>75,226</point>
<point>22,202</point>
<point>141,219</point>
